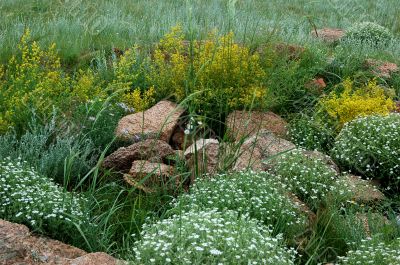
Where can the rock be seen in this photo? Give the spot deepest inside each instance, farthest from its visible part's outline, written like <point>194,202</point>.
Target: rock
<point>255,150</point>
<point>316,86</point>
<point>328,35</point>
<point>364,191</point>
<point>150,149</point>
<point>293,52</point>
<point>18,246</point>
<point>203,156</point>
<point>95,259</point>
<point>376,218</point>
<point>325,158</point>
<point>149,177</point>
<point>241,124</point>
<point>381,68</point>
<point>158,122</point>
<point>397,108</point>
<point>303,207</point>
<point>180,140</point>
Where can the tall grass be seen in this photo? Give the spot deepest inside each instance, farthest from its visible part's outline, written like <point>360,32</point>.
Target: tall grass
<point>80,27</point>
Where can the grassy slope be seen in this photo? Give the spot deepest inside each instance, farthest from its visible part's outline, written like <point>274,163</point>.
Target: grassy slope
<point>80,27</point>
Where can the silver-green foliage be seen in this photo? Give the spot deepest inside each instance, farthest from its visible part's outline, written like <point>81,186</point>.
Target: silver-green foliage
<point>369,33</point>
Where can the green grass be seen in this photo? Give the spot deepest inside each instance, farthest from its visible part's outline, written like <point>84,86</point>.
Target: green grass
<point>81,28</point>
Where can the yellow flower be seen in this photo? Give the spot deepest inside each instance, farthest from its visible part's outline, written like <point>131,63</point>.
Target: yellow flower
<point>354,102</point>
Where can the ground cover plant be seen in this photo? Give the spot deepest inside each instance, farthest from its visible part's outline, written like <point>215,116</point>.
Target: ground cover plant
<point>370,145</point>
<point>71,70</point>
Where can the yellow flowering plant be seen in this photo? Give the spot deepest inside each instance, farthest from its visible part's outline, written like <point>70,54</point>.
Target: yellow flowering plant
<point>356,101</point>
<point>33,82</point>
<point>219,74</point>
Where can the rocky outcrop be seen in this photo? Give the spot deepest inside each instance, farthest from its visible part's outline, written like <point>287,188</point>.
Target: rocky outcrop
<point>259,147</point>
<point>150,149</point>
<point>202,157</point>
<point>149,177</point>
<point>158,122</point>
<point>19,246</point>
<point>328,35</point>
<point>241,124</point>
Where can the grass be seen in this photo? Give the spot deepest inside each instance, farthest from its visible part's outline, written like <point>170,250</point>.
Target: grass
<point>82,28</point>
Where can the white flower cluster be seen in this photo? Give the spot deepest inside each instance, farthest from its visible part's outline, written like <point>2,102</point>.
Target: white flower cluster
<point>369,32</point>
<point>309,178</point>
<point>210,237</point>
<point>375,252</point>
<point>371,146</point>
<point>307,133</point>
<point>258,194</point>
<point>30,198</point>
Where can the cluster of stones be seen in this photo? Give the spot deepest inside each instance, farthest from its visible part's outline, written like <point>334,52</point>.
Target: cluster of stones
<point>157,143</point>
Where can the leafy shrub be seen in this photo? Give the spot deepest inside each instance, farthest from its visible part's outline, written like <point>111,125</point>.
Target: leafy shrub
<point>223,74</point>
<point>353,102</point>
<point>52,150</point>
<point>309,133</point>
<point>374,251</point>
<point>34,82</point>
<point>371,146</point>
<point>309,178</point>
<point>30,198</point>
<point>127,73</point>
<point>210,237</point>
<point>369,33</point>
<point>258,195</point>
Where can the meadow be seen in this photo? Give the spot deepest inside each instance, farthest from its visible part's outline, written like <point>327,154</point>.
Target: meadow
<point>71,70</point>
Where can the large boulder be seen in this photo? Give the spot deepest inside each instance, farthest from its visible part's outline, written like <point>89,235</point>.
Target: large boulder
<point>203,157</point>
<point>150,149</point>
<point>255,150</point>
<point>328,35</point>
<point>241,124</point>
<point>149,177</point>
<point>18,246</point>
<point>158,122</point>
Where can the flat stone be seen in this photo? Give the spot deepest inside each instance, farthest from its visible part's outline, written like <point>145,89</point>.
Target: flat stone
<point>150,149</point>
<point>158,122</point>
<point>329,35</point>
